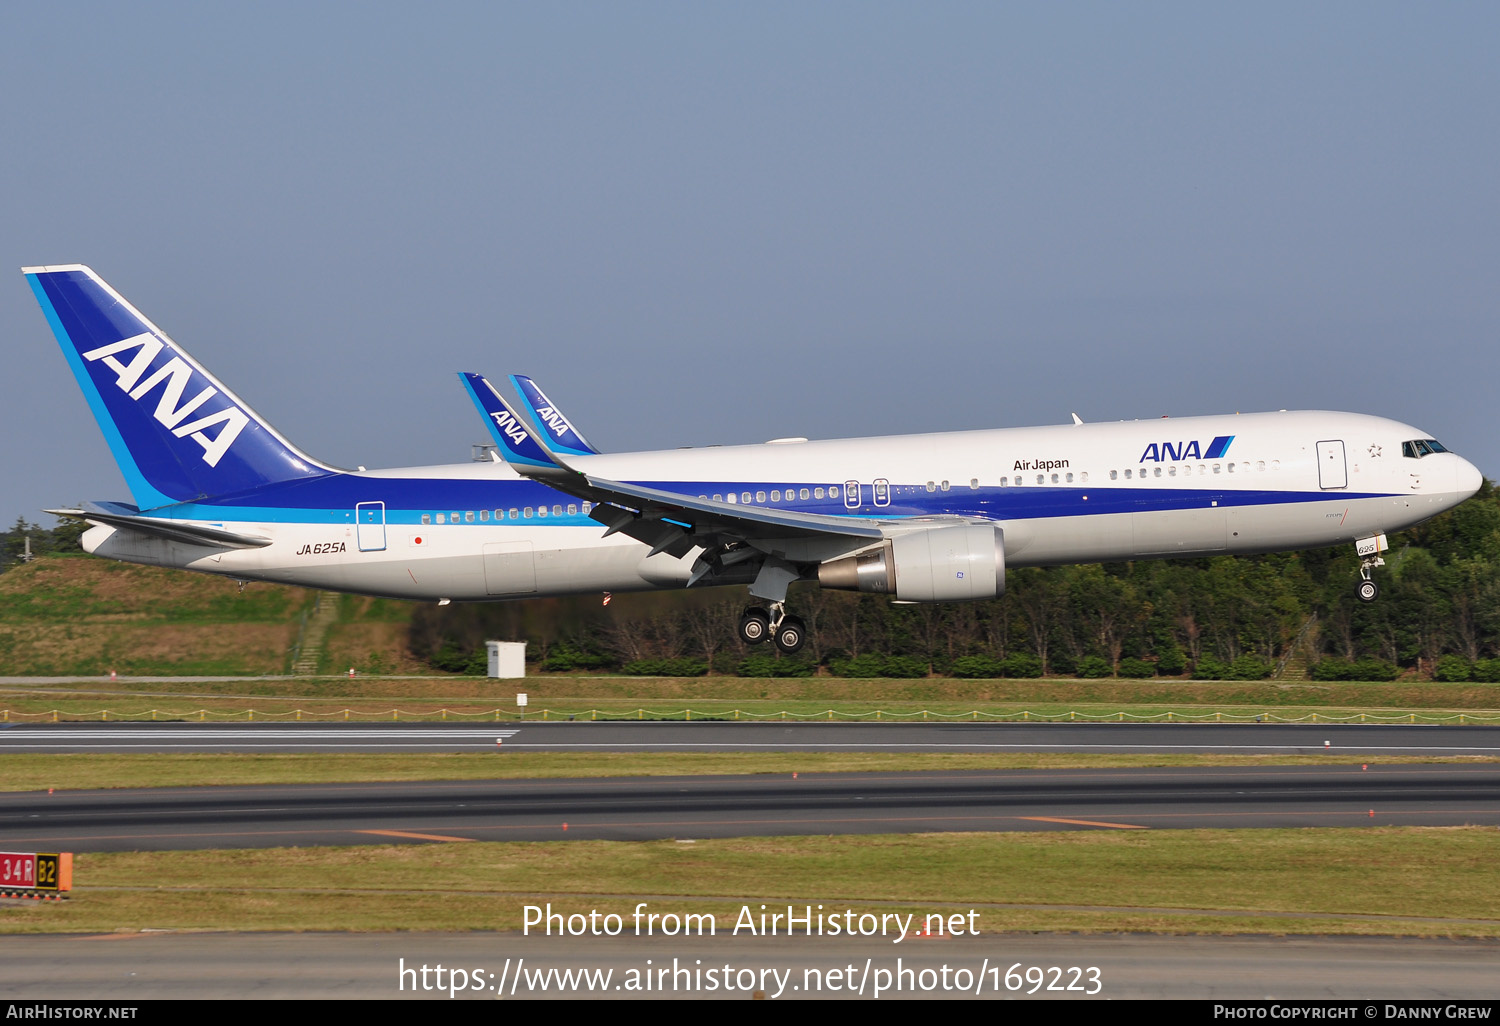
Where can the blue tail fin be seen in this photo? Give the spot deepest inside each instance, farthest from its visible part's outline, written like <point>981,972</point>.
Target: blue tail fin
<point>176,432</point>
<point>565,438</point>
<point>522,447</point>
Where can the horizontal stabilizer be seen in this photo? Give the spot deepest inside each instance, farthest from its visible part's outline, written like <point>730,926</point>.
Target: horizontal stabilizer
<point>190,532</point>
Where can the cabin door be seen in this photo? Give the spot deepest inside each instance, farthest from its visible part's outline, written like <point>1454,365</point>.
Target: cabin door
<point>369,521</point>
<point>1332,472</point>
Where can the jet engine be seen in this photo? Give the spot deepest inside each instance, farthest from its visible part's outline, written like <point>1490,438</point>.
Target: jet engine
<point>940,564</point>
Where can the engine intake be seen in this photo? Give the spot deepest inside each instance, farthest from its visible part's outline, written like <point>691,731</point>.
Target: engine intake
<point>942,564</point>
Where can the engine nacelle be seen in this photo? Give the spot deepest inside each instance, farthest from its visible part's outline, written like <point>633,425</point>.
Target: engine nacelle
<point>943,564</point>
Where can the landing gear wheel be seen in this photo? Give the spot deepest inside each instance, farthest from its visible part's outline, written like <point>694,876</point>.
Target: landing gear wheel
<point>755,626</point>
<point>1367,591</point>
<point>792,636</point>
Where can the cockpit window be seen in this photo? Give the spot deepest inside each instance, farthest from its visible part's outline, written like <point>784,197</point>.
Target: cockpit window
<point>1419,447</point>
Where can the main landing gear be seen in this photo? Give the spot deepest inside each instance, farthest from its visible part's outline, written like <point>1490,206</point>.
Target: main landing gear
<point>759,624</point>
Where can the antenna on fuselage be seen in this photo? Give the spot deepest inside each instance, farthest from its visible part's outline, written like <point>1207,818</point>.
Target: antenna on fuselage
<point>1077,419</point>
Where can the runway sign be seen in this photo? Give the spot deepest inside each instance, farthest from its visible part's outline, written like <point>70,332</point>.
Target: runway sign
<point>34,874</point>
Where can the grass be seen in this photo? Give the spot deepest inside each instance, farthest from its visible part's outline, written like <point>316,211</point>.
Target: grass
<point>80,771</point>
<point>1419,881</point>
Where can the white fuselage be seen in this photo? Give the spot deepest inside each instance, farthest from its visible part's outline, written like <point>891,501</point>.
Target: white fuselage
<point>1064,494</point>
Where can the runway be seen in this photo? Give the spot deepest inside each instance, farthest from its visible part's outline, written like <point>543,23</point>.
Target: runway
<point>720,736</point>
<point>642,808</point>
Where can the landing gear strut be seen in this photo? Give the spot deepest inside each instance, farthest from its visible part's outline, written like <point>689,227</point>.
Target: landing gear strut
<point>759,624</point>
<point>1369,550</point>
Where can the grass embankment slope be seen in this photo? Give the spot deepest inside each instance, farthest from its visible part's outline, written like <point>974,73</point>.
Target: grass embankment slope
<point>77,615</point>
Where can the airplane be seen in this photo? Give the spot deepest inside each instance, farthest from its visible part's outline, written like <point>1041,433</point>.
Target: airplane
<point>920,518</point>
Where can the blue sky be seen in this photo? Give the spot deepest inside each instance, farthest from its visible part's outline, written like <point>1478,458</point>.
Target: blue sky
<point>699,223</point>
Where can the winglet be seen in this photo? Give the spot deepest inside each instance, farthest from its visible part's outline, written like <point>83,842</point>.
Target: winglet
<point>521,446</point>
<point>550,421</point>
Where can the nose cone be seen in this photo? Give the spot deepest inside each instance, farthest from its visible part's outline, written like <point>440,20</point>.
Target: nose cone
<point>1468,478</point>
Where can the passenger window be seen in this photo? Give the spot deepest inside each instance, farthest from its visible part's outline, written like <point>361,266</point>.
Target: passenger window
<point>833,491</point>
<point>1084,476</point>
<point>572,508</point>
<point>469,517</point>
<point>1172,470</point>
<point>1070,479</point>
<point>1054,479</point>
<point>718,498</point>
<point>932,486</point>
<point>944,486</point>
<point>775,495</point>
<point>527,512</point>
<point>484,515</point>
<point>557,511</point>
<point>1127,473</point>
<point>1041,479</point>
<point>745,498</point>
<point>1260,465</point>
<point>442,519</point>
<point>973,484</point>
<point>426,518</point>
<point>817,493</point>
<point>804,494</point>
<point>1114,475</point>
<point>515,514</point>
<point>1156,472</point>
<point>1231,468</point>
<point>1216,468</point>
<point>453,518</point>
<point>541,511</point>
<point>586,507</point>
<point>760,496</point>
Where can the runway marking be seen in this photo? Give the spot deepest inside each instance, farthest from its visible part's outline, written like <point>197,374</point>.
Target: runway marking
<point>1085,822</point>
<point>419,837</point>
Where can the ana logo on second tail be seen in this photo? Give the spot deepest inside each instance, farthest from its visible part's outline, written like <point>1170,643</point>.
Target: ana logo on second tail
<point>175,376</point>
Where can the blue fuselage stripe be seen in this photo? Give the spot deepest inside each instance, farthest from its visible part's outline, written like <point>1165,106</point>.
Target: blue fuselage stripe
<point>332,499</point>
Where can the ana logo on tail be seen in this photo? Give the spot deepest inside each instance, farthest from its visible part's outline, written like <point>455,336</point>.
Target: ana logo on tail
<point>175,377</point>
<point>510,426</point>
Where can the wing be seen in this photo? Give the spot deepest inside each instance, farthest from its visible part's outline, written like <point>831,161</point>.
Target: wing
<point>785,541</point>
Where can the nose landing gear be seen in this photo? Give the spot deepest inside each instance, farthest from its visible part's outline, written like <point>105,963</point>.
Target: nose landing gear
<point>1369,550</point>
<point>759,624</point>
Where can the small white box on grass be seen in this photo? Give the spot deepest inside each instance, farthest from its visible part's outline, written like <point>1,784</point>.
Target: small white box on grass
<point>507,658</point>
